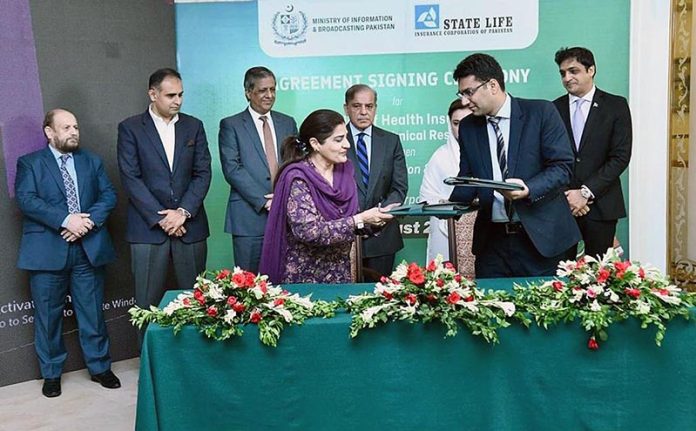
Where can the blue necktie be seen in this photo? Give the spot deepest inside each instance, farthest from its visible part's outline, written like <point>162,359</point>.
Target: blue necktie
<point>70,193</point>
<point>578,122</point>
<point>363,162</point>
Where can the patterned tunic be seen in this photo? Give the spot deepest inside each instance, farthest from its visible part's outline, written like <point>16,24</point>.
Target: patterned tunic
<point>318,249</point>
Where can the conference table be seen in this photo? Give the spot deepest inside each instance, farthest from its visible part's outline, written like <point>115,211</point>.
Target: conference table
<point>403,376</point>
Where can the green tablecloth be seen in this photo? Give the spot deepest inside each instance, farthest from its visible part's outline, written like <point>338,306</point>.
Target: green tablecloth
<point>403,376</point>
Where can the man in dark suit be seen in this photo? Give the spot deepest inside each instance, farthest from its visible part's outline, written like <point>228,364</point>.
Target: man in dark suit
<point>250,143</point>
<point>599,127</point>
<point>380,173</point>
<point>66,196</point>
<point>522,232</point>
<point>164,163</point>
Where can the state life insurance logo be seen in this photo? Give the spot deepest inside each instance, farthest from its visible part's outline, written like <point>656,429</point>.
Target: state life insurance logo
<point>427,16</point>
<point>290,26</point>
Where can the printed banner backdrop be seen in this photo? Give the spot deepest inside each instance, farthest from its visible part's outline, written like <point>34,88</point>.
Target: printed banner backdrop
<point>406,50</point>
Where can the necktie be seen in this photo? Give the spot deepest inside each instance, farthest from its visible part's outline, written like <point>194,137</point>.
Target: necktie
<point>578,122</point>
<point>502,159</point>
<point>269,147</point>
<point>70,193</point>
<point>363,162</point>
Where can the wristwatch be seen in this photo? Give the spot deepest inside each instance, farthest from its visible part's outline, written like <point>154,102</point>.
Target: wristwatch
<point>359,224</point>
<point>586,193</point>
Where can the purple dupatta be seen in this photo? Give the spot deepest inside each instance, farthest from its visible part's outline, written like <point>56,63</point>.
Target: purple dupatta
<point>333,203</point>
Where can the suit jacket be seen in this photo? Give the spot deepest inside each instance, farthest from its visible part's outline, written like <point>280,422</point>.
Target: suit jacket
<point>245,167</point>
<point>604,152</point>
<point>540,155</point>
<point>41,198</point>
<point>151,186</point>
<point>388,184</point>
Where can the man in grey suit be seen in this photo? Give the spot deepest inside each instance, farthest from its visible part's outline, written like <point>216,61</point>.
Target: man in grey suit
<point>380,173</point>
<point>250,154</point>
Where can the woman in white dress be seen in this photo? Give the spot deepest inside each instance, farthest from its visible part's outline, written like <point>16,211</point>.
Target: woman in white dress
<point>445,163</point>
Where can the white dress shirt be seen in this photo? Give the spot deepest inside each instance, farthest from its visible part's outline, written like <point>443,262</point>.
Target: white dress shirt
<point>166,132</point>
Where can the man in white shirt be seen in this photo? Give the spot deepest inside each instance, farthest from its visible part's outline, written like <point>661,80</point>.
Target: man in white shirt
<point>250,143</point>
<point>164,163</point>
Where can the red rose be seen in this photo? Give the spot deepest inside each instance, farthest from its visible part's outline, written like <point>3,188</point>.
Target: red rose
<point>622,266</point>
<point>223,274</point>
<point>633,293</point>
<point>469,298</point>
<point>664,292</point>
<point>415,274</point>
<point>448,265</point>
<point>641,273</point>
<point>249,279</point>
<point>239,307</point>
<point>620,274</point>
<point>558,286</point>
<point>387,295</point>
<point>198,296</point>
<point>263,287</point>
<point>410,298</point>
<point>440,282</point>
<point>212,311</point>
<point>603,275</point>
<point>580,263</point>
<point>453,298</point>
<point>383,280</point>
<point>592,344</point>
<point>238,279</point>
<point>255,317</point>
<point>457,278</point>
<point>278,302</point>
<point>431,266</point>
<point>186,302</point>
<point>431,298</point>
<point>231,300</point>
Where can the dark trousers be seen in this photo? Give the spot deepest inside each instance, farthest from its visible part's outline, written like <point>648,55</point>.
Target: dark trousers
<point>49,290</point>
<point>512,255</point>
<point>247,252</point>
<point>598,236</point>
<point>150,264</point>
<point>378,266</point>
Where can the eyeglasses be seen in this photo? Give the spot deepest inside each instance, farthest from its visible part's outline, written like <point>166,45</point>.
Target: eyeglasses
<point>471,91</point>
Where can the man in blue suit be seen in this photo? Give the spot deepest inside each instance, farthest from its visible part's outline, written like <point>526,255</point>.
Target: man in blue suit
<point>522,232</point>
<point>164,163</point>
<point>250,143</point>
<point>66,196</point>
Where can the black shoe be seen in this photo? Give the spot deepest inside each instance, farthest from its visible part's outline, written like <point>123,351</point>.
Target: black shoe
<point>107,379</point>
<point>51,388</point>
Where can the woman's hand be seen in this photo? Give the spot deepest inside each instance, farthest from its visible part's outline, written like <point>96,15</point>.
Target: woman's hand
<point>376,216</point>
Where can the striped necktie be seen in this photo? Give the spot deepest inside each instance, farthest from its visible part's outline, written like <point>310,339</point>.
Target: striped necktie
<point>363,162</point>
<point>502,159</point>
<point>70,193</point>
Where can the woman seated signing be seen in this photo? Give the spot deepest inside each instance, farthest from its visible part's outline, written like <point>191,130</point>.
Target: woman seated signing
<point>314,214</point>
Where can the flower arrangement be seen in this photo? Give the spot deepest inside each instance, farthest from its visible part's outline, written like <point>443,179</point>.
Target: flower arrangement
<point>601,292</point>
<point>434,293</point>
<point>222,302</point>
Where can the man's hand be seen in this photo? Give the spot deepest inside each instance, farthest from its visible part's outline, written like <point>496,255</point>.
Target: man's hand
<point>172,221</point>
<point>68,236</point>
<point>578,204</point>
<point>79,225</point>
<point>513,195</point>
<point>269,201</point>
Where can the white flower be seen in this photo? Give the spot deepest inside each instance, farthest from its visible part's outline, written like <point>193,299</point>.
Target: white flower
<point>305,302</point>
<point>577,295</point>
<point>274,290</point>
<point>642,307</point>
<point>229,316</point>
<point>408,310</point>
<point>369,313</point>
<point>215,292</point>
<point>507,307</point>
<point>284,312</point>
<point>400,272</point>
<point>594,306</point>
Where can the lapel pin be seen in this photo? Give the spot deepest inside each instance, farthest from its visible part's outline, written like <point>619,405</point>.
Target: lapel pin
<point>595,105</point>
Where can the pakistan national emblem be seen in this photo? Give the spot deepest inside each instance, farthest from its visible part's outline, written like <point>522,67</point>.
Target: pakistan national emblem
<point>290,26</point>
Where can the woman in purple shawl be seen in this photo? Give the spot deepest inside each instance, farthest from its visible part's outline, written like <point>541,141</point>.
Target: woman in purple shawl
<point>314,214</point>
